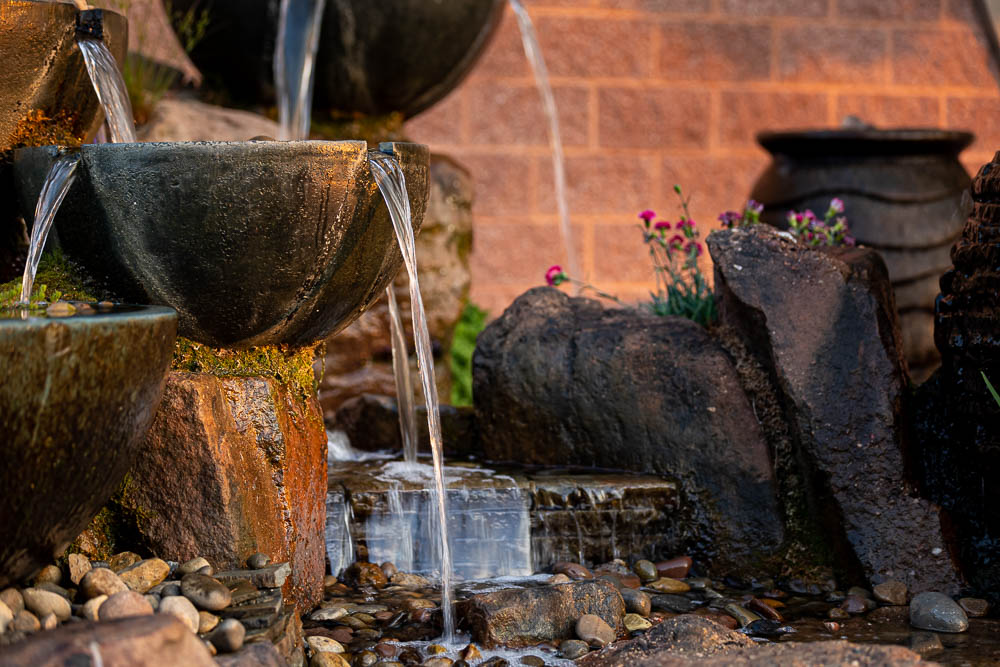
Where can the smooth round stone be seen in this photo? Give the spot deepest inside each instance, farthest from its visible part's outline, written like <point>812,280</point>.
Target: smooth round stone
<point>49,622</point>
<point>635,622</point>
<point>675,568</point>
<point>636,602</point>
<point>388,569</point>
<point>181,607</point>
<point>360,573</point>
<point>25,621</point>
<point>854,605</point>
<point>145,574</point>
<point>328,659</point>
<point>54,588</point>
<point>924,643</point>
<point>436,649</point>
<point>13,599</point>
<point>532,661</point>
<point>438,661</point>
<point>974,607</point>
<point>407,580</point>
<point>668,585</point>
<point>191,566</point>
<point>153,600</point>
<point>124,604</point>
<point>42,603</point>
<point>206,621</point>
<point>891,592</point>
<point>321,644</point>
<point>258,561</point>
<point>572,570</point>
<point>50,574</point>
<point>101,581</point>
<point>571,649</point>
<point>559,579</point>
<point>858,591</point>
<point>6,616</point>
<point>646,571</point>
<point>937,612</point>
<point>91,608</point>
<point>328,614</point>
<point>594,630</point>
<point>228,636</point>
<point>366,659</point>
<point>205,592</point>
<point>471,653</point>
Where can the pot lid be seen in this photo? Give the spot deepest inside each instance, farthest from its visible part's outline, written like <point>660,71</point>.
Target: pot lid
<point>865,141</point>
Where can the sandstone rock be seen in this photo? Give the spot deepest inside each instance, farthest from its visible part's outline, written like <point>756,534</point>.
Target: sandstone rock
<point>365,574</point>
<point>78,565</point>
<point>692,640</point>
<point>182,608</point>
<point>13,599</point>
<point>101,581</point>
<point>92,608</point>
<point>593,630</point>
<point>42,603</point>
<point>122,560</point>
<point>358,359</point>
<point>523,617</point>
<point>6,616</point>
<point>124,604</point>
<point>50,574</point>
<point>145,574</point>
<point>143,641</point>
<point>824,321</point>
<point>25,621</point>
<point>207,621</point>
<point>232,467</point>
<point>891,592</point>
<point>271,576</point>
<point>974,607</point>
<point>180,119</point>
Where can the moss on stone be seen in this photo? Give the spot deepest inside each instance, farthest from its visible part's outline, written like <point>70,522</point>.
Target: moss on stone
<point>292,367</point>
<point>39,129</point>
<point>57,278</point>
<point>117,527</point>
<point>373,129</point>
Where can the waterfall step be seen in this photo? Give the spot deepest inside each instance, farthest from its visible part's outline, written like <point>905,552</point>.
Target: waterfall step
<point>502,521</point>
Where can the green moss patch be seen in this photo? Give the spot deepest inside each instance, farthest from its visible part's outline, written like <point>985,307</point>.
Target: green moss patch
<point>292,367</point>
<point>57,278</point>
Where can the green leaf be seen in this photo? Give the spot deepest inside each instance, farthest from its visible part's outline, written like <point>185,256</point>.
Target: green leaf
<point>996,397</point>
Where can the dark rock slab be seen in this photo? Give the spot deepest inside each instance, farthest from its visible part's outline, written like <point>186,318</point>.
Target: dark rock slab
<point>138,641</point>
<point>825,323</point>
<point>371,422</point>
<point>525,617</point>
<point>256,654</point>
<point>233,467</point>
<point>566,381</point>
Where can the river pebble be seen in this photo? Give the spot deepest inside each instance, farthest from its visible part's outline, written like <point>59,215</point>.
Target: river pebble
<point>42,603</point>
<point>145,574</point>
<point>205,592</point>
<point>594,630</point>
<point>228,636</point>
<point>101,581</point>
<point>937,612</point>
<point>182,608</point>
<point>636,602</point>
<point>123,604</point>
<point>571,649</point>
<point>192,566</point>
<point>891,592</point>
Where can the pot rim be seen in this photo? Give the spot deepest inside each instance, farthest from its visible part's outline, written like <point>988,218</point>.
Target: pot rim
<point>867,141</point>
<point>123,312</point>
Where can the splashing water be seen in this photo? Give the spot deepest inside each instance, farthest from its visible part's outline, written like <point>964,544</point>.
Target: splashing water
<point>533,52</point>
<point>110,88</point>
<point>61,175</point>
<point>299,26</point>
<point>392,182</point>
<point>404,382</point>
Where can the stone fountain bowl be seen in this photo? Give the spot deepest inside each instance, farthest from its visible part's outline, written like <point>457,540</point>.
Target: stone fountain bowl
<point>375,56</point>
<point>77,396</point>
<point>45,91</point>
<point>253,243</point>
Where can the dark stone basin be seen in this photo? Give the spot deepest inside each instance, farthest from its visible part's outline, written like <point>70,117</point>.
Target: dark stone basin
<point>77,397</point>
<point>43,71</point>
<point>375,56</point>
<point>253,243</point>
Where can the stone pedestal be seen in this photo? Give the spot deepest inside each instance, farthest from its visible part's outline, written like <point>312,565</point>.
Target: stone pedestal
<point>234,466</point>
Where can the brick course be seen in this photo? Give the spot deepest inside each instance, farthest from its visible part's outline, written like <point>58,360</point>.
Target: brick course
<point>653,92</point>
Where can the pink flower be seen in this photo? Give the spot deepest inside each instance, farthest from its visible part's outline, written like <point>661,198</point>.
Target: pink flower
<point>647,215</point>
<point>555,276</point>
<point>677,241</point>
<point>693,246</point>
<point>837,205</point>
<point>662,225</point>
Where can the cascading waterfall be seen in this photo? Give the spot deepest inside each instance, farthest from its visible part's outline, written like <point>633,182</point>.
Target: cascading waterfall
<point>299,26</point>
<point>404,382</point>
<point>533,52</point>
<point>392,182</point>
<point>110,88</point>
<point>57,183</point>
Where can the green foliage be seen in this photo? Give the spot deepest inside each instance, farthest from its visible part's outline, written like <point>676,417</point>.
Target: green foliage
<point>292,367</point>
<point>57,278</point>
<point>463,345</point>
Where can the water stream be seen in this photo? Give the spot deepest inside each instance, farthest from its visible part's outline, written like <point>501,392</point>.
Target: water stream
<point>110,88</point>
<point>299,26</point>
<point>404,382</point>
<point>533,52</point>
<point>57,183</point>
<point>392,182</point>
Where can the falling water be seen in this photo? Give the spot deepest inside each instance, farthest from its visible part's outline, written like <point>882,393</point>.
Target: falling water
<point>391,181</point>
<point>57,184</point>
<point>404,382</point>
<point>533,52</point>
<point>294,64</point>
<point>110,88</point>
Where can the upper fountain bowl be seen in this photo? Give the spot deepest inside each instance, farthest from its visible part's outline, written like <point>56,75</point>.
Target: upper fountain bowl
<point>252,243</point>
<point>45,91</point>
<point>374,58</point>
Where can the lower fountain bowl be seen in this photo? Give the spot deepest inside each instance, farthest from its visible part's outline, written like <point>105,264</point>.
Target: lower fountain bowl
<point>45,91</point>
<point>253,243</point>
<point>77,398</point>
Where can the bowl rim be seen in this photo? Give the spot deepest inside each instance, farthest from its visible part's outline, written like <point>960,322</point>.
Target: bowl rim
<point>135,312</point>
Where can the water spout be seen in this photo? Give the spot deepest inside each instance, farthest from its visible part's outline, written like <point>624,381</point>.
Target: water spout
<point>110,88</point>
<point>299,26</point>
<point>392,182</point>
<point>533,52</point>
<point>57,183</point>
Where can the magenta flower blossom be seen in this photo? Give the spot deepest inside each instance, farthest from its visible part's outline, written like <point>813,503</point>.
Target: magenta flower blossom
<point>647,216</point>
<point>555,276</point>
<point>837,205</point>
<point>662,225</point>
<point>693,246</point>
<point>676,241</point>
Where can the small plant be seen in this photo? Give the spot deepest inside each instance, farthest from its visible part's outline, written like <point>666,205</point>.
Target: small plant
<point>989,385</point>
<point>463,345</point>
<point>57,278</point>
<point>749,217</point>
<point>830,231</point>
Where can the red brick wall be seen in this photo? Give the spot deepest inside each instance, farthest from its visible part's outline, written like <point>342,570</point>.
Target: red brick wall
<point>657,92</point>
